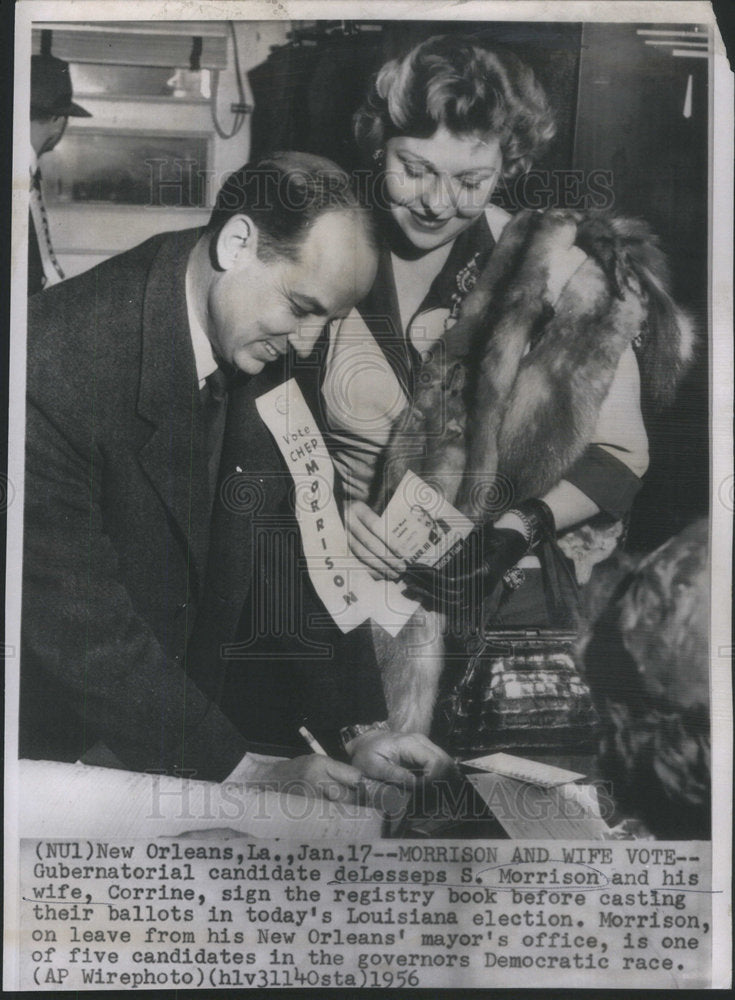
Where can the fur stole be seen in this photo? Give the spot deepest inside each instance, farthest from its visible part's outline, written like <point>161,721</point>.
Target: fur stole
<point>509,398</point>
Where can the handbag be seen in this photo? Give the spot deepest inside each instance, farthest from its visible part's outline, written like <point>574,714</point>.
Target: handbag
<point>519,688</point>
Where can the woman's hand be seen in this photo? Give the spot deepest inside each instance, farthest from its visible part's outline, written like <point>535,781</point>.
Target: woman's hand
<point>470,575</point>
<point>367,542</point>
<point>480,564</point>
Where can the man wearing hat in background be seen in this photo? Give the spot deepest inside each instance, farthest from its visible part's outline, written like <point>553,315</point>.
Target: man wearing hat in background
<point>51,108</point>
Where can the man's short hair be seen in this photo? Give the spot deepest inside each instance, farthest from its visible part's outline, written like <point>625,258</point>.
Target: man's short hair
<point>284,195</point>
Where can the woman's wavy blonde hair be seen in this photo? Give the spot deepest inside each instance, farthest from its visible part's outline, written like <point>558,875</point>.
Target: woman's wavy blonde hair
<point>466,87</point>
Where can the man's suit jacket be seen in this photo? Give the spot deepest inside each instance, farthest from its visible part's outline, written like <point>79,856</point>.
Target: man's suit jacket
<point>263,646</point>
<point>117,520</point>
<point>131,590</point>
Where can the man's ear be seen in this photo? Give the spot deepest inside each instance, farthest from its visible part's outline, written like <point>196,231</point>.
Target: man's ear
<point>239,235</point>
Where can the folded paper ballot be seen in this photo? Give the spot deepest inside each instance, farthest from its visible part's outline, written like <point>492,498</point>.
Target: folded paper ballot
<point>74,800</point>
<point>420,524</point>
<point>531,812</point>
<point>531,771</point>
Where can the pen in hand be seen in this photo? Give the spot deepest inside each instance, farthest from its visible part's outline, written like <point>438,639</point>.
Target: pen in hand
<point>314,744</point>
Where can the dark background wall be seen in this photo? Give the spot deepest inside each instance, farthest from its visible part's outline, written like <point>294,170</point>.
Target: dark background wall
<point>631,121</point>
<point>306,93</point>
<point>620,108</point>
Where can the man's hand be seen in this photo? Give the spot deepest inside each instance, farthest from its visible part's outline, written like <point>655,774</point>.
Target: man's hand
<point>368,543</point>
<point>399,758</point>
<point>379,760</point>
<point>311,774</point>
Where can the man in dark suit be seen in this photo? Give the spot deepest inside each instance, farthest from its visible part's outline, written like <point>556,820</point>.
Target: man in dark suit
<point>51,108</point>
<point>135,567</point>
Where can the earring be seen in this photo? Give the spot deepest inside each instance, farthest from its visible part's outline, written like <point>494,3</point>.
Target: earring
<point>379,157</point>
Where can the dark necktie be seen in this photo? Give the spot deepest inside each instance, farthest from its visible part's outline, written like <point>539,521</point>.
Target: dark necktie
<point>214,410</point>
<point>44,237</point>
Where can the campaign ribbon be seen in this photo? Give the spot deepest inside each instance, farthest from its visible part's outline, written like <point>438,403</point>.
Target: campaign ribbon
<point>344,586</point>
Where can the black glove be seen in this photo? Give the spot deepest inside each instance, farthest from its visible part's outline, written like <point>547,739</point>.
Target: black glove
<point>478,567</point>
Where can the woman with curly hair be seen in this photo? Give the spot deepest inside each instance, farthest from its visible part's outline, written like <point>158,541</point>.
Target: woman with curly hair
<point>495,356</point>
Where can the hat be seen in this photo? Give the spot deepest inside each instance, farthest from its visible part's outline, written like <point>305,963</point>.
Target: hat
<point>51,91</point>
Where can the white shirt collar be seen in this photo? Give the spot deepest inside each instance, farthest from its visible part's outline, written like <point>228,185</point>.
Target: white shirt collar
<point>33,162</point>
<point>203,357</point>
